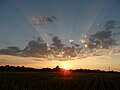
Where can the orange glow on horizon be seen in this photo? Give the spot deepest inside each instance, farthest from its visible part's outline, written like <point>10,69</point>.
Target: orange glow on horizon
<point>66,66</point>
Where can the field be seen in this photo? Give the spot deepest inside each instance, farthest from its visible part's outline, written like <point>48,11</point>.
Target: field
<point>59,81</point>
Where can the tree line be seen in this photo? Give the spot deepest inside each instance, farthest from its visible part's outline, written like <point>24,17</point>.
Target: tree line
<point>55,69</point>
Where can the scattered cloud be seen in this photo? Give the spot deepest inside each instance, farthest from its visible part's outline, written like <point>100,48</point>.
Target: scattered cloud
<point>41,20</point>
<point>98,44</point>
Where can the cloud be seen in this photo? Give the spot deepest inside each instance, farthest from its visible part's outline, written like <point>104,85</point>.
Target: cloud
<point>102,39</point>
<point>35,48</point>
<point>110,24</point>
<point>57,42</point>
<point>41,20</point>
<point>11,50</point>
<point>97,44</point>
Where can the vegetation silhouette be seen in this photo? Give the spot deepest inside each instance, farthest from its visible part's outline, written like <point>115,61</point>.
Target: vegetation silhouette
<point>56,69</point>
<point>26,78</point>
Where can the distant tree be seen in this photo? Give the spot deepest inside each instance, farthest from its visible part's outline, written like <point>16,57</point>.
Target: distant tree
<point>56,69</point>
<point>57,66</point>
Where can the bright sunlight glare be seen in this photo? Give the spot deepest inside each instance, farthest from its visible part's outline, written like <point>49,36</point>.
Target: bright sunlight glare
<point>66,66</point>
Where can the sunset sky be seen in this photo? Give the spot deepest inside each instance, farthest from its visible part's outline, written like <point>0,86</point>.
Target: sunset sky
<point>74,19</point>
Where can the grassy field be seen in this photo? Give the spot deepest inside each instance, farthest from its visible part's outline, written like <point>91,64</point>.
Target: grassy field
<point>58,81</point>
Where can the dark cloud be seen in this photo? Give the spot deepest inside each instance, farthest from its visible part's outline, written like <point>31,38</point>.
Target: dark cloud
<point>98,44</point>
<point>35,48</point>
<point>13,50</point>
<point>40,39</point>
<point>102,39</point>
<point>57,42</point>
<point>41,20</point>
<point>72,42</point>
<point>110,24</point>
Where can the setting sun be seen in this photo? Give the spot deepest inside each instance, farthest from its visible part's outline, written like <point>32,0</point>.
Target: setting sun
<point>66,66</point>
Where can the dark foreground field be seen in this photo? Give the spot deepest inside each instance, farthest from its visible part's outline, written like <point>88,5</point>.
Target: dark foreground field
<point>58,81</point>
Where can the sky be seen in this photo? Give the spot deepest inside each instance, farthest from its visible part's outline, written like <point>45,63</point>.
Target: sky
<point>74,19</point>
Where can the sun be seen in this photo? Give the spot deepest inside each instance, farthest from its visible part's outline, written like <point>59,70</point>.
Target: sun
<point>66,66</point>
